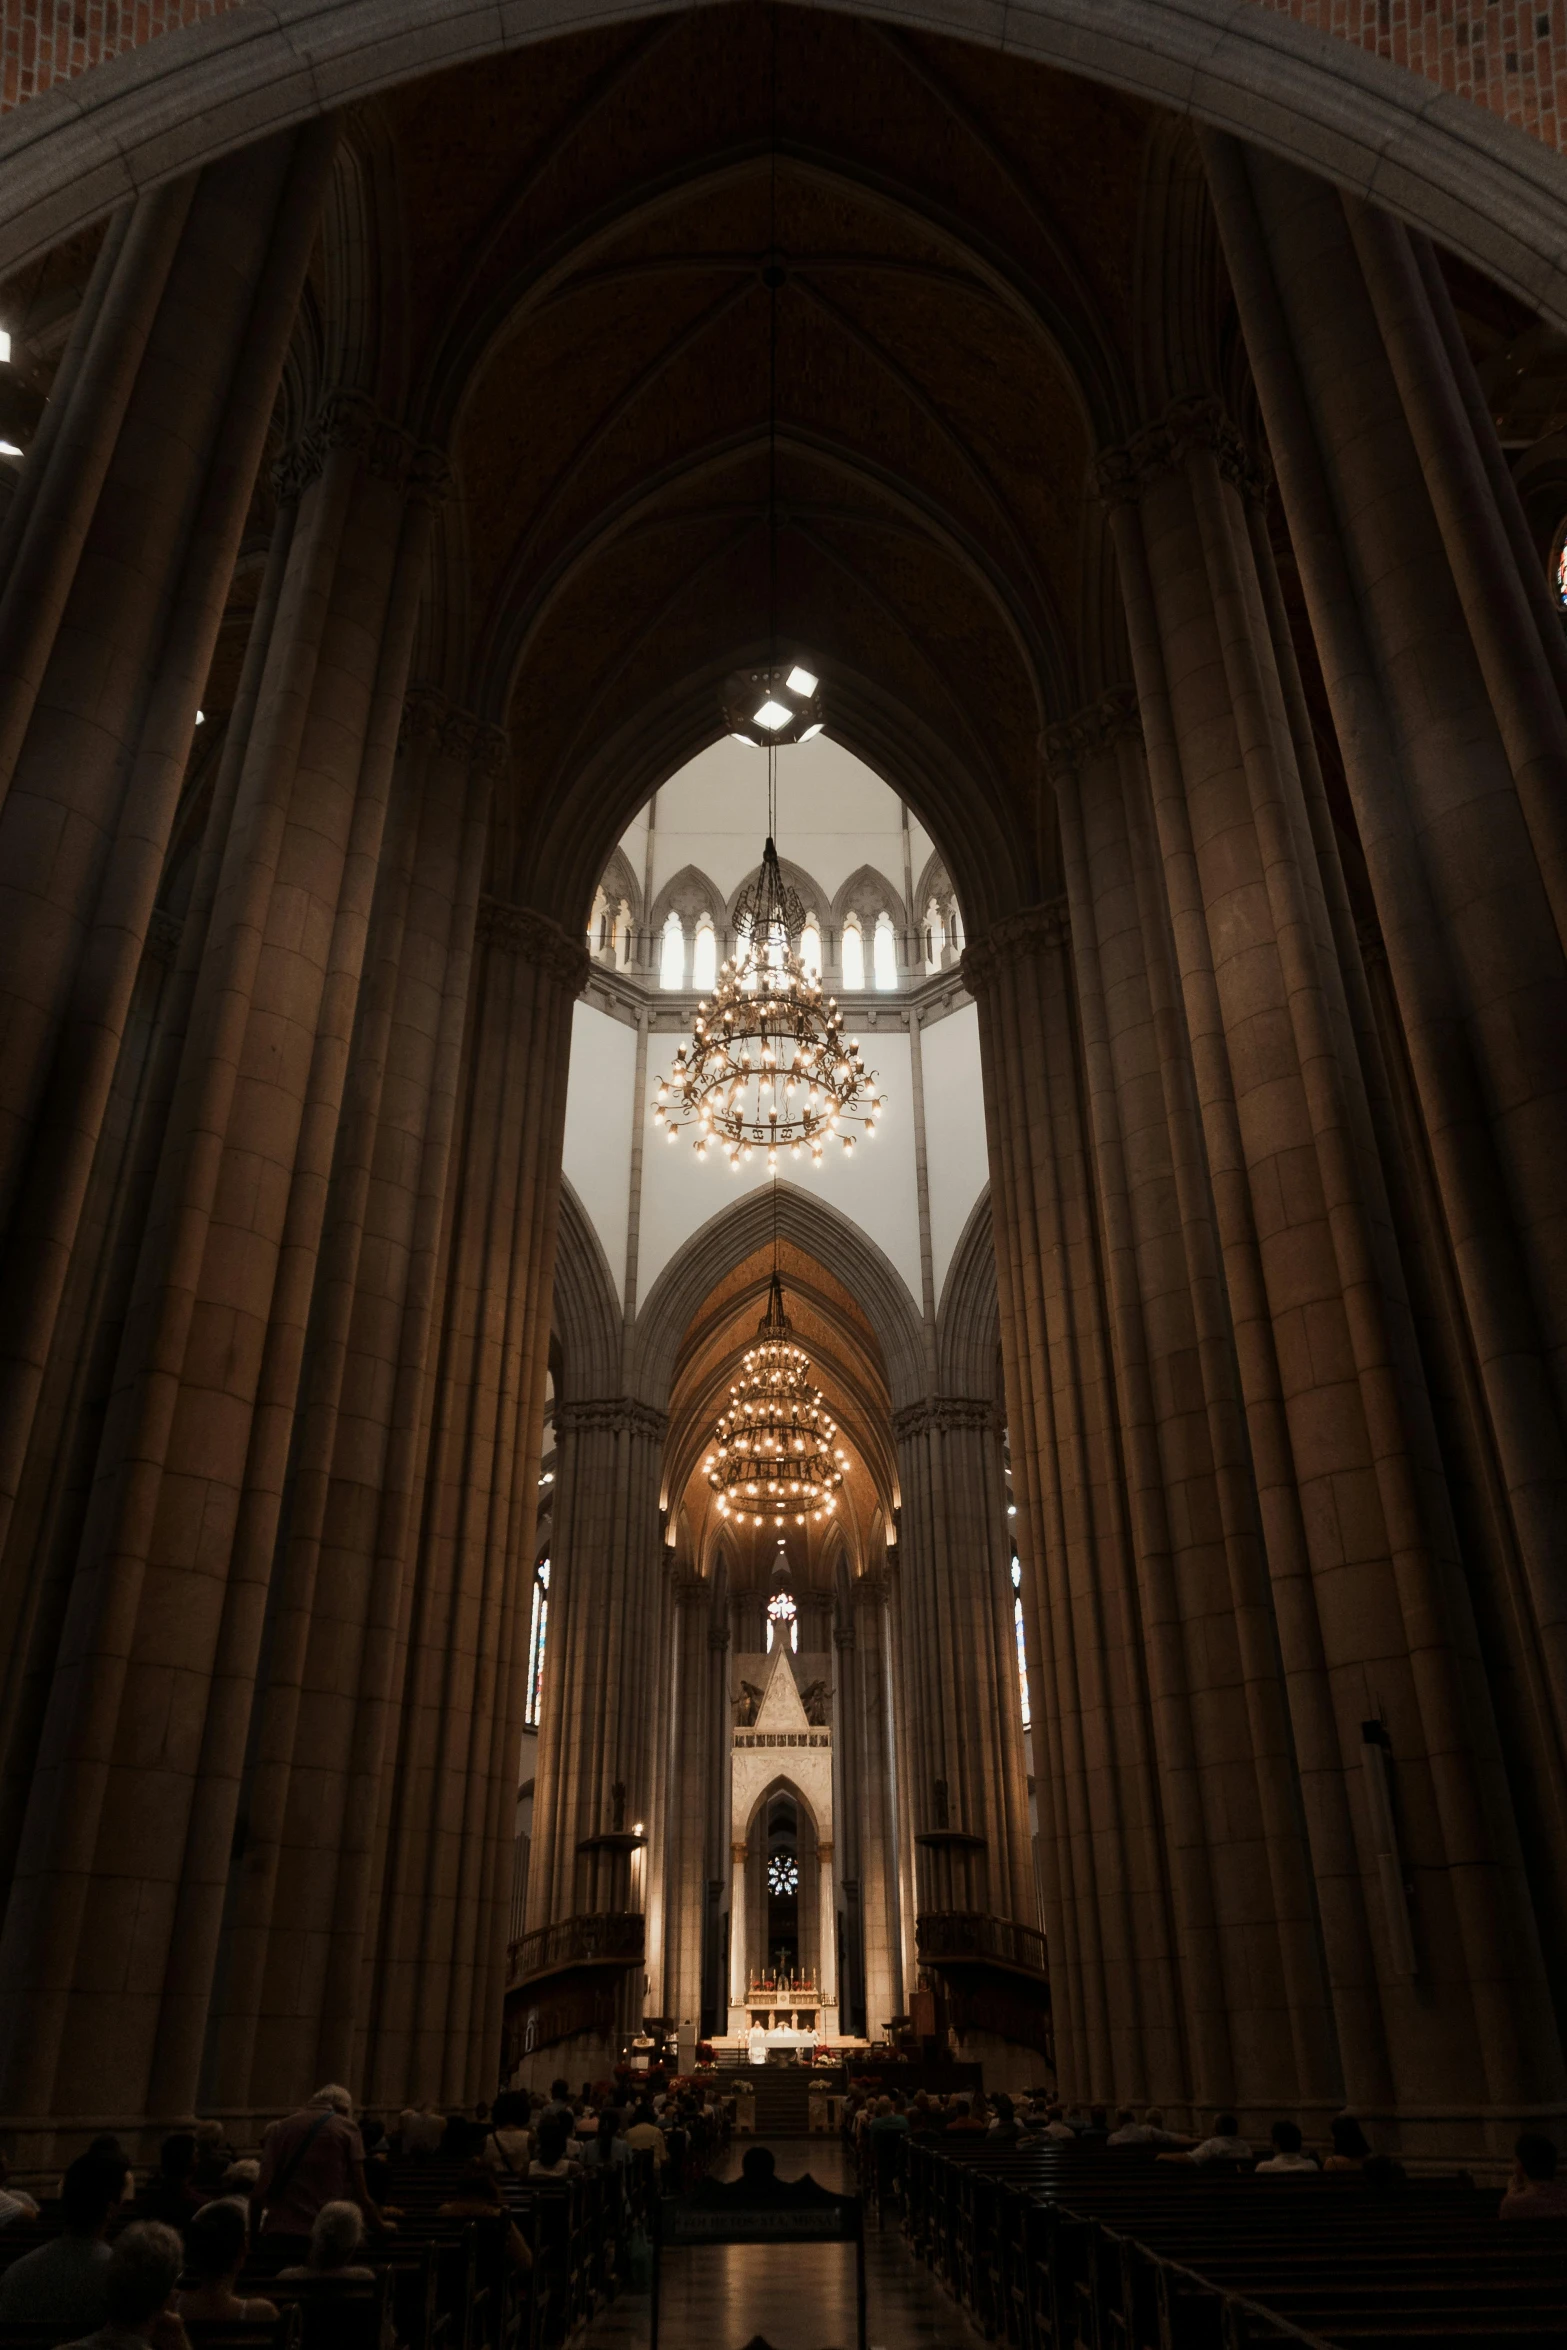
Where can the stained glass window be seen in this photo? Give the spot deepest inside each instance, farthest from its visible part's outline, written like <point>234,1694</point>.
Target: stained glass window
<point>783,1875</point>
<point>1561,572</point>
<point>536,1638</point>
<point>1022,1646</point>
<point>780,1611</point>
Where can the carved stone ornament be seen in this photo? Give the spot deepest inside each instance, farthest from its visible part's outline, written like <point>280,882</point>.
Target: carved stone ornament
<point>1077,741</point>
<point>618,1415</point>
<point>945,1415</point>
<point>351,420</point>
<point>520,931</point>
<point>429,718</point>
<point>1196,422</point>
<point>1034,931</point>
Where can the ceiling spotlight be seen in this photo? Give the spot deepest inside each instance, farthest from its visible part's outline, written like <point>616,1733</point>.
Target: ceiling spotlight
<point>5,346</point>
<point>772,715</point>
<point>9,449</point>
<point>772,703</point>
<point>800,681</point>
<point>814,728</point>
<point>201,717</point>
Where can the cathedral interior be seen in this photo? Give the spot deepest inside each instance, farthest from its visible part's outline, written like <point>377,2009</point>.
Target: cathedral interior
<point>1159,1694</point>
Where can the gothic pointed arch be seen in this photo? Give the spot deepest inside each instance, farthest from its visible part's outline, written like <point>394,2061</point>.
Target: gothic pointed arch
<point>968,1320</point>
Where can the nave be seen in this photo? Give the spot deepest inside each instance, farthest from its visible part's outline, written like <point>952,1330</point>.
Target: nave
<point>796,2297</point>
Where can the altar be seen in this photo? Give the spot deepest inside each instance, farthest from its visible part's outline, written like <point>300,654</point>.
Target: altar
<point>761,2042</point>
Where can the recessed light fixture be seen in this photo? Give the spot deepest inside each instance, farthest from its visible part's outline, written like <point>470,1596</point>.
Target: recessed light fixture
<point>772,715</point>
<point>800,681</point>
<point>810,730</point>
<point>5,345</point>
<point>9,449</point>
<point>201,717</point>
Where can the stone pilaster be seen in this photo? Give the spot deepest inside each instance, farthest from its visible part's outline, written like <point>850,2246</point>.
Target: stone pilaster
<point>119,549</point>
<point>167,1609</point>
<point>1417,565</point>
<point>291,1980</point>
<point>1356,1518</point>
<point>443,1855</point>
<point>965,1728</point>
<point>596,1738</point>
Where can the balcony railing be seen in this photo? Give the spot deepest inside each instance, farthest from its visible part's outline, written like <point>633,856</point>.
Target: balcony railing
<point>956,1935</point>
<point>612,1938</point>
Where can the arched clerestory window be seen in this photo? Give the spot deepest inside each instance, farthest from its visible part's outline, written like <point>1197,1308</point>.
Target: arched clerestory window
<point>811,946</point>
<point>537,1635</point>
<point>704,955</point>
<point>1021,1638</point>
<point>884,954</point>
<point>853,955</point>
<point>672,952</point>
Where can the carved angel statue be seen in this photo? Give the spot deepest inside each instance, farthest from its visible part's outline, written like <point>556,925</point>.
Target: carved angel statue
<point>745,1705</point>
<point>814,1698</point>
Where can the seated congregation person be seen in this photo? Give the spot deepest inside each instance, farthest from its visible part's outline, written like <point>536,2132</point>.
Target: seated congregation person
<point>1350,2144</point>
<point>510,2142</point>
<point>478,2197</point>
<point>963,2122</point>
<point>138,2289</point>
<point>171,2194</point>
<point>1005,2128</point>
<point>1286,2155</point>
<point>240,2177</point>
<point>645,2132</point>
<point>1150,2131</point>
<point>1534,2190</point>
<point>422,2130</point>
<point>336,2234</point>
<point>62,2283</point>
<point>217,2238</point>
<point>308,2160</point>
<point>14,2204</point>
<point>108,2145</point>
<point>1224,2145</point>
<point>214,2158</point>
<point>607,2150</point>
<point>550,2159</point>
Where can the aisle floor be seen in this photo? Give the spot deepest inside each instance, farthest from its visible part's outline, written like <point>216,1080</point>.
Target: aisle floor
<point>798,2298</point>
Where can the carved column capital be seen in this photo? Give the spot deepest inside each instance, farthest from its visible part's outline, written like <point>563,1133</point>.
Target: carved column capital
<point>429,718</point>
<point>739,1853</point>
<point>386,449</point>
<point>1036,930</point>
<point>1196,422</point>
<point>618,1415</point>
<point>946,1415</point>
<point>1073,743</point>
<point>686,1588</point>
<point>518,930</point>
<point>873,1588</point>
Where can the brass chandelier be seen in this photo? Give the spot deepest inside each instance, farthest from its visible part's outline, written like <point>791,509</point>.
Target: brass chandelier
<point>774,1453</point>
<point>768,1066</point>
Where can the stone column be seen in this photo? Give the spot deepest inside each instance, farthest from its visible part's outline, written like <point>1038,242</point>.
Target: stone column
<point>739,1958</point>
<point>1417,566</point>
<point>150,1705</point>
<point>1368,1591</point>
<point>597,1729</point>
<point>880,1829</point>
<point>119,547</point>
<point>434,1974</point>
<point>969,1785</point>
<point>1197,1605</point>
<point>826,1927</point>
<point>693,1732</point>
<point>1105,1888</point>
<point>288,2007</point>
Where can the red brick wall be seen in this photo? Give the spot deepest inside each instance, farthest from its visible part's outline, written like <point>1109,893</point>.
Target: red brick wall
<point>1505,56</point>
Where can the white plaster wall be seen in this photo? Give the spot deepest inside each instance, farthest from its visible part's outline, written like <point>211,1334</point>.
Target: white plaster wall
<point>599,1111</point>
<point>956,1165</point>
<point>834,815</point>
<point>875,1188</point>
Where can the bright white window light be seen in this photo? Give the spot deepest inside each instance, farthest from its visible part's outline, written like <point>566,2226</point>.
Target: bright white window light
<point>800,681</point>
<point>772,715</point>
<point>201,717</point>
<point>704,955</point>
<point>853,957</point>
<point>884,954</point>
<point>5,345</point>
<point>811,947</point>
<point>672,953</point>
<point>9,449</point>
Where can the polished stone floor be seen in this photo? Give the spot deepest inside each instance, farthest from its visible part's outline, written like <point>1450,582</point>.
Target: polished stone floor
<point>801,2298</point>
